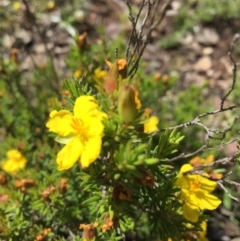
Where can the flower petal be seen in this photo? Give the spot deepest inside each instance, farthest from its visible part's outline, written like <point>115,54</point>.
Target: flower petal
<point>182,179</point>
<point>183,182</point>
<point>207,201</point>
<point>151,124</point>
<point>206,184</point>
<point>91,151</point>
<point>60,122</point>
<point>190,213</point>
<point>185,168</point>
<point>84,106</point>
<point>14,154</point>
<point>70,153</point>
<point>95,126</point>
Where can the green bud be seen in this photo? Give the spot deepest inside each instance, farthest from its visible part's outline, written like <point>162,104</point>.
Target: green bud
<point>127,107</point>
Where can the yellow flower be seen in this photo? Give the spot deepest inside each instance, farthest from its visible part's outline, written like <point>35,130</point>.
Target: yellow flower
<point>195,193</point>
<point>151,124</point>
<point>14,163</point>
<point>81,131</point>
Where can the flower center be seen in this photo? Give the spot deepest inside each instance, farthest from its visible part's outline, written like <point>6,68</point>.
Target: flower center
<point>194,185</point>
<point>78,126</point>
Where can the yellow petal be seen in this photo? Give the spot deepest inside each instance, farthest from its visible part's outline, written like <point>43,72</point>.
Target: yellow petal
<point>207,201</point>
<point>182,180</point>
<point>151,124</point>
<point>60,122</point>
<point>206,184</point>
<point>190,213</point>
<point>186,194</point>
<point>96,127</point>
<point>185,168</point>
<point>69,155</point>
<point>14,154</point>
<point>91,151</point>
<point>84,106</point>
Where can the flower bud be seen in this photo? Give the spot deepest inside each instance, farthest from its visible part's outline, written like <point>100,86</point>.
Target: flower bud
<point>117,71</point>
<point>127,107</point>
<point>111,80</point>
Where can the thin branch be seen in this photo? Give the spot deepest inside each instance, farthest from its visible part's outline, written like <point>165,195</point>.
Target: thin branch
<point>139,35</point>
<point>222,161</point>
<point>183,155</point>
<point>152,10</point>
<point>224,131</point>
<point>232,182</point>
<point>134,68</point>
<point>230,53</point>
<point>223,144</point>
<point>202,149</point>
<point>193,122</point>
<point>220,183</point>
<point>133,33</point>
